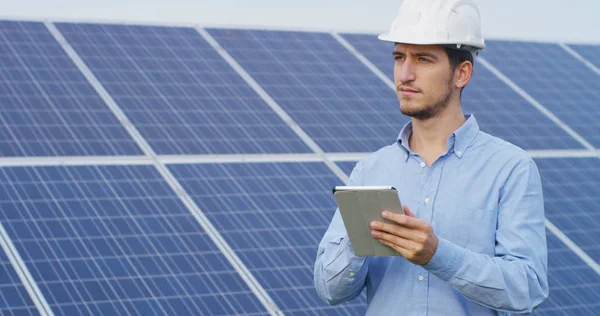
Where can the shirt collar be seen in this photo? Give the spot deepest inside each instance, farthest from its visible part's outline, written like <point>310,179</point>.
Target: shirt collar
<point>458,142</point>
<point>464,135</point>
<point>403,138</point>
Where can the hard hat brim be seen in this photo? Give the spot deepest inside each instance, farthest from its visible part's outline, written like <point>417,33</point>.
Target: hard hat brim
<point>469,45</point>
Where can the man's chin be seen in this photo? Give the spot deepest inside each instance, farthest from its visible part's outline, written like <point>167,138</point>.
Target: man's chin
<point>409,109</point>
<point>416,113</point>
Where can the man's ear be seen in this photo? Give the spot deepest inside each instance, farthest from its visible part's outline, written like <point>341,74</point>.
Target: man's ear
<point>462,74</point>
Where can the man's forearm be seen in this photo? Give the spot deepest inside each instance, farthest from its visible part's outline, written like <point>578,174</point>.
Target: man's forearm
<point>501,283</point>
<point>339,275</point>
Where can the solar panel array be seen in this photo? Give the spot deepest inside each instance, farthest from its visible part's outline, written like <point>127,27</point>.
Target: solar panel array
<point>563,84</point>
<point>224,212</point>
<point>174,87</point>
<point>116,240</point>
<point>273,215</point>
<point>48,107</point>
<point>340,103</point>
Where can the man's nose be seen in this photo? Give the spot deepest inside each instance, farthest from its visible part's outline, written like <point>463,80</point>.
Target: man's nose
<point>406,71</point>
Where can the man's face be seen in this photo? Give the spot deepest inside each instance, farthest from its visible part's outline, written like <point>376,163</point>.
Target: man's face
<point>423,78</point>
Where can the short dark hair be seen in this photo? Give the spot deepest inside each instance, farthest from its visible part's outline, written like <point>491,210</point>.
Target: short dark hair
<point>457,57</point>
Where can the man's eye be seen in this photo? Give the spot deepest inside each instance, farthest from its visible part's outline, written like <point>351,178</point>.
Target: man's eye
<point>424,60</point>
<point>398,57</point>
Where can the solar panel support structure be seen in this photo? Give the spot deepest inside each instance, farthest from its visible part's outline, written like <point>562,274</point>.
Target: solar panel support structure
<point>567,153</point>
<point>23,273</point>
<point>580,58</point>
<point>335,157</point>
<point>271,102</point>
<point>236,158</point>
<point>346,156</point>
<point>591,150</point>
<point>74,161</point>
<point>248,158</point>
<point>211,231</point>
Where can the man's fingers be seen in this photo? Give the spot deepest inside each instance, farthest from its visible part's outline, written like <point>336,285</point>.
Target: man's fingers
<point>399,243</point>
<point>401,251</point>
<point>405,220</point>
<point>400,231</point>
<point>408,212</point>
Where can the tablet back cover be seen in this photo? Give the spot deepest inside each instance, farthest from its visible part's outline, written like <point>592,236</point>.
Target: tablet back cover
<point>358,208</point>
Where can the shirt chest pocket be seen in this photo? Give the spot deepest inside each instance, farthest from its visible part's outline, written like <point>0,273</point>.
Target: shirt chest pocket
<point>467,218</point>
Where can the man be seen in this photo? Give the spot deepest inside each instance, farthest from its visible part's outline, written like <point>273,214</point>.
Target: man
<point>472,238</point>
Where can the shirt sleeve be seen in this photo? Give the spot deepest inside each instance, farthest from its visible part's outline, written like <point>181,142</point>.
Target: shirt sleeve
<point>516,278</point>
<point>339,275</point>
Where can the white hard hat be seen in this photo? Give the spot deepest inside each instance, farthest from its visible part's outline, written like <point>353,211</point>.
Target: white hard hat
<point>447,22</point>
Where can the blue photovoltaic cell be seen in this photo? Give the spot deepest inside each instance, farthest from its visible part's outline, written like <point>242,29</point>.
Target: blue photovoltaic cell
<point>557,80</point>
<point>273,215</point>
<point>590,52</point>
<point>499,110</point>
<point>574,286</point>
<point>572,199</point>
<point>116,240</point>
<point>346,166</point>
<point>326,90</point>
<point>378,52</point>
<point>178,92</point>
<point>48,108</point>
<point>14,299</point>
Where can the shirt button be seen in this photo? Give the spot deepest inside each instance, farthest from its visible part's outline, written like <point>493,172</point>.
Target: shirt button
<point>421,278</point>
<point>427,200</point>
<point>352,274</point>
<point>459,153</point>
<point>422,164</point>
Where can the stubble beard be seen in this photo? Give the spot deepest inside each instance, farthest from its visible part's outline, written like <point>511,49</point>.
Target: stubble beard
<point>430,110</point>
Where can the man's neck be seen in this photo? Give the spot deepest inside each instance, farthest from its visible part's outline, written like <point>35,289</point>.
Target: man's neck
<point>430,136</point>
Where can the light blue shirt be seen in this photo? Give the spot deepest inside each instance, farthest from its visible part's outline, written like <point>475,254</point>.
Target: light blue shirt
<point>483,198</point>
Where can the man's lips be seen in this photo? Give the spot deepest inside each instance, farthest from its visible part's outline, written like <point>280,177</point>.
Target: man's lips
<point>408,91</point>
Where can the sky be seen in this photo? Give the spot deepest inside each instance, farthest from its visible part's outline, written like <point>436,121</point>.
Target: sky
<point>572,21</point>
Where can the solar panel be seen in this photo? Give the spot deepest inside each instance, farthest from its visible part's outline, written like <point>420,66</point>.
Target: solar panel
<point>572,199</point>
<point>48,107</point>
<point>273,215</point>
<point>378,52</point>
<point>574,286</point>
<point>346,166</point>
<point>590,52</point>
<point>334,98</point>
<point>116,240</point>
<point>559,81</point>
<point>499,110</point>
<point>178,92</point>
<point>14,299</point>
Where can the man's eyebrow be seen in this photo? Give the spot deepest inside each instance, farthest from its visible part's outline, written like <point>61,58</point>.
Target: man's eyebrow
<point>418,54</point>
<point>425,54</point>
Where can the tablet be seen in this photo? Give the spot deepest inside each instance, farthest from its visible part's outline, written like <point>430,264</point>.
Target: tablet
<point>359,206</point>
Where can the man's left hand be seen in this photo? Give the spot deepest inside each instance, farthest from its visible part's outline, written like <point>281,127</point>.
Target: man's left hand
<point>412,237</point>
